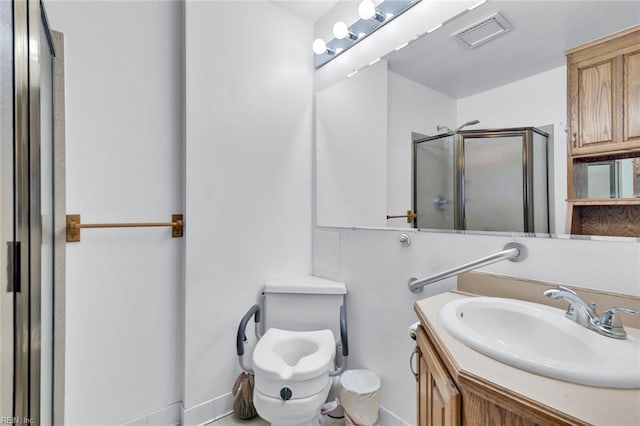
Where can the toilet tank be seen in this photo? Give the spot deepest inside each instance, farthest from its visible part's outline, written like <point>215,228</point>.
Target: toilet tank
<point>304,304</point>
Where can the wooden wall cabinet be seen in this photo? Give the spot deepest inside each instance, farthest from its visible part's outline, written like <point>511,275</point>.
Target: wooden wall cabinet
<point>448,397</point>
<point>604,95</point>
<point>603,102</point>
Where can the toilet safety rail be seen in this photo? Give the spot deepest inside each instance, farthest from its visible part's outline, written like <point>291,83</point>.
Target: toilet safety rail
<point>515,252</point>
<point>241,337</point>
<point>254,311</point>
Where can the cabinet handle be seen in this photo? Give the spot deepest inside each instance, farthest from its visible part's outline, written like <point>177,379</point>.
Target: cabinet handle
<point>575,140</point>
<point>411,358</point>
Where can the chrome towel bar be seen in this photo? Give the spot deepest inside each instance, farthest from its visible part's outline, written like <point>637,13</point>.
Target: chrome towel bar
<point>515,252</point>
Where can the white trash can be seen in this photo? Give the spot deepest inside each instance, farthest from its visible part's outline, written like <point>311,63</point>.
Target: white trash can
<point>360,397</point>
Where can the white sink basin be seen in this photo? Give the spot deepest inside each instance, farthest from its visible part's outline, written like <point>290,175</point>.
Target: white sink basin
<point>540,339</point>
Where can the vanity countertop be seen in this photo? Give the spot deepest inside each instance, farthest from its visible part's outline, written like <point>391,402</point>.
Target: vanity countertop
<point>598,406</point>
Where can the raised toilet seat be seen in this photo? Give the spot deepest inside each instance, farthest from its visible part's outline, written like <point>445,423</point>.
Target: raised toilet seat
<point>304,324</point>
<point>297,360</point>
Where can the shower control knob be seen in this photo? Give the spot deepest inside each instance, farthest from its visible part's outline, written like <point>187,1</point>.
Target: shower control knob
<point>286,393</point>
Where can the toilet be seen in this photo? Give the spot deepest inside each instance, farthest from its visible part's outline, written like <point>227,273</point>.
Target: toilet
<point>304,323</point>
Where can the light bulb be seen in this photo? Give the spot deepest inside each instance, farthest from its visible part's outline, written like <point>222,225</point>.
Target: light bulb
<point>367,9</point>
<point>340,30</point>
<point>319,46</point>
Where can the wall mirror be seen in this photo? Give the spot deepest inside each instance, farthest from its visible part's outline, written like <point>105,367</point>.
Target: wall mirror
<point>461,72</point>
<point>619,178</point>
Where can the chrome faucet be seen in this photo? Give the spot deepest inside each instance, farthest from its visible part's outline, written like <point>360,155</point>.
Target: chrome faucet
<point>608,324</point>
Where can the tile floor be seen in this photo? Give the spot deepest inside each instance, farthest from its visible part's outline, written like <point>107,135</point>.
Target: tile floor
<point>232,420</point>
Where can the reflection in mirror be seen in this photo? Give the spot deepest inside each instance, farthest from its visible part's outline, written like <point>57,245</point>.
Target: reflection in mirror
<point>434,187</point>
<point>364,141</point>
<point>482,180</point>
<point>607,179</point>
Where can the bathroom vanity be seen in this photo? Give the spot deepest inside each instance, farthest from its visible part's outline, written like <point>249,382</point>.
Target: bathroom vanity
<point>457,385</point>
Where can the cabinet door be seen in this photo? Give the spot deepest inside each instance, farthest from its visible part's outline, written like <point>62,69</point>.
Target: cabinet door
<point>604,95</point>
<point>631,93</point>
<point>596,99</point>
<point>438,397</point>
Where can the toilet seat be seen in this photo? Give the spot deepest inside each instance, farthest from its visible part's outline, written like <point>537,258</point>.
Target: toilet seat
<point>298,360</point>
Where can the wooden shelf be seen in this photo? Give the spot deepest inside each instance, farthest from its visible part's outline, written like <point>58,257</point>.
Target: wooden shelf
<point>616,218</point>
<point>606,202</point>
<point>606,152</point>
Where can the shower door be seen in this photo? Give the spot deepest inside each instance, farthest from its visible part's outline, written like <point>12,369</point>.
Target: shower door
<point>482,180</point>
<point>26,194</point>
<point>7,210</point>
<point>434,182</point>
<point>504,180</point>
<point>494,199</point>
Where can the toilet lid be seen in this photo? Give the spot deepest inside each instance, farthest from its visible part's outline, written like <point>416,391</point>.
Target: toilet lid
<point>293,355</point>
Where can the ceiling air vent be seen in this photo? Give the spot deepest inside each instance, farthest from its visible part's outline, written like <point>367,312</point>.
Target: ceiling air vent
<point>481,32</point>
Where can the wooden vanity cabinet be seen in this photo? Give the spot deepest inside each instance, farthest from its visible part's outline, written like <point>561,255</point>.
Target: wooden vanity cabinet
<point>448,397</point>
<point>636,177</point>
<point>438,396</point>
<point>604,95</point>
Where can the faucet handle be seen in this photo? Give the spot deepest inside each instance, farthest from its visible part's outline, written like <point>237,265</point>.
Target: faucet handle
<point>611,324</point>
<point>611,318</point>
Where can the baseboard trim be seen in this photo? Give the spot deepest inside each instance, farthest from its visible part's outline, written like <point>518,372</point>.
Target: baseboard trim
<point>167,416</point>
<point>198,415</point>
<point>388,418</point>
<point>222,406</point>
<point>208,411</point>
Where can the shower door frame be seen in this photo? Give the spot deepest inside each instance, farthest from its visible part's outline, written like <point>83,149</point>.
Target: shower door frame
<point>459,170</point>
<point>29,50</point>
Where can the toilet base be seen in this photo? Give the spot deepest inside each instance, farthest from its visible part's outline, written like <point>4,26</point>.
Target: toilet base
<point>294,412</point>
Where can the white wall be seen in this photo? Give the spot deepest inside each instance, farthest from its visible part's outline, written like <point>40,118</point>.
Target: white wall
<point>351,150</point>
<point>376,269</point>
<point>412,108</point>
<point>249,114</point>
<point>124,86</point>
<point>538,100</point>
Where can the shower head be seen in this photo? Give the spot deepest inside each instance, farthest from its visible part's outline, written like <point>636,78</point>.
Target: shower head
<point>468,123</point>
<point>440,128</point>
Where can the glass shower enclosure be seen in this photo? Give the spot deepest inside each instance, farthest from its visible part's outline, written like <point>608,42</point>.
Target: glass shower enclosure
<point>482,180</point>
<point>26,214</point>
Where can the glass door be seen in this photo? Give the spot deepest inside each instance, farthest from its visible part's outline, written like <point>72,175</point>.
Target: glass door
<point>26,148</point>
<point>7,209</point>
<point>434,182</point>
<point>494,199</point>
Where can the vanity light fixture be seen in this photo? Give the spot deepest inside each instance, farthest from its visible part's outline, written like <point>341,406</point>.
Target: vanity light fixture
<point>373,16</point>
<point>342,31</point>
<point>320,47</point>
<point>367,10</point>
